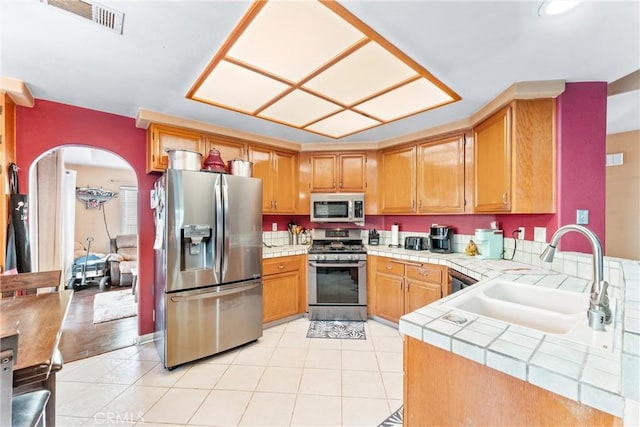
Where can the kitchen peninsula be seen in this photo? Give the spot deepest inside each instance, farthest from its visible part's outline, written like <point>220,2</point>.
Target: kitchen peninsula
<point>513,365</point>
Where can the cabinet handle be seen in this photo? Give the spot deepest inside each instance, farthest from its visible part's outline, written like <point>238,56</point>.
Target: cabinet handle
<point>272,204</point>
<point>275,204</point>
<point>340,185</point>
<point>420,204</point>
<point>504,198</point>
<point>334,185</point>
<point>281,266</point>
<point>413,204</point>
<point>389,267</point>
<point>400,285</point>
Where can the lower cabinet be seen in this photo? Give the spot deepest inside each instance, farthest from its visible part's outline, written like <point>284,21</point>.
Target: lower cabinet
<point>284,291</point>
<point>460,392</point>
<point>399,287</point>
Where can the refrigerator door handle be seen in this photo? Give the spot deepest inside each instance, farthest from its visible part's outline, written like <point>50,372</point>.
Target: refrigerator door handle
<point>205,295</point>
<point>219,229</point>
<point>225,207</point>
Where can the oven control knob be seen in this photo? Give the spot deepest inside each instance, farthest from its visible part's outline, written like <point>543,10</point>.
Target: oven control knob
<point>337,257</point>
<point>350,257</point>
<point>321,257</point>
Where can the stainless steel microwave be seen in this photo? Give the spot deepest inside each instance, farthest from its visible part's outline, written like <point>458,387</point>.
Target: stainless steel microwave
<point>337,207</point>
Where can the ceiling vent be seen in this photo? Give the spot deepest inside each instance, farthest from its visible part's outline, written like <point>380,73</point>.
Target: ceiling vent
<point>100,14</point>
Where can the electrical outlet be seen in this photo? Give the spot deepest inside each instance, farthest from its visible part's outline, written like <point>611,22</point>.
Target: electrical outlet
<point>274,226</point>
<point>520,233</point>
<point>582,216</point>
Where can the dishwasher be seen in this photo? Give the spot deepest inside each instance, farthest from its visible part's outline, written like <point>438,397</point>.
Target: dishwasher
<point>459,281</point>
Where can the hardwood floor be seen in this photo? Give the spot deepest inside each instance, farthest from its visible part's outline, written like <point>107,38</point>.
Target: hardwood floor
<point>81,338</point>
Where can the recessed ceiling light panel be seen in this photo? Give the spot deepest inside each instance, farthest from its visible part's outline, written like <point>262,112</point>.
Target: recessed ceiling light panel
<point>299,108</point>
<point>369,70</point>
<point>315,66</point>
<point>417,96</point>
<point>293,38</point>
<point>343,124</point>
<point>245,90</point>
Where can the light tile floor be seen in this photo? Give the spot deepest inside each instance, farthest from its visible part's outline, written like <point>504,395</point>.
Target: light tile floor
<point>284,379</point>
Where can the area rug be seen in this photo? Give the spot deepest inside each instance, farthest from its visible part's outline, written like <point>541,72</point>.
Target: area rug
<point>113,305</point>
<point>393,420</point>
<point>338,329</point>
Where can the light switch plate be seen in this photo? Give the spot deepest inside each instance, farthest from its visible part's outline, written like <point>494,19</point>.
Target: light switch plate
<point>582,216</point>
<point>540,234</point>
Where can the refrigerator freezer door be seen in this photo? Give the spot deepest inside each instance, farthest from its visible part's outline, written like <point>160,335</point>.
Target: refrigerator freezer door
<point>242,256</point>
<point>204,322</point>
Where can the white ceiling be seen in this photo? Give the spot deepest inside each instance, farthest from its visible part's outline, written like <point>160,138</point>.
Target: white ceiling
<point>477,48</point>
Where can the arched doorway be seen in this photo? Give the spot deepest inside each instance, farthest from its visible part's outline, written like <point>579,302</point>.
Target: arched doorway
<point>75,232</point>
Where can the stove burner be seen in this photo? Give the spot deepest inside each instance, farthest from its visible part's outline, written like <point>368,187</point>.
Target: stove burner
<point>339,247</point>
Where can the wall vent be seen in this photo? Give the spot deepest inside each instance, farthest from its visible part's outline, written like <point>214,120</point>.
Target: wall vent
<point>96,12</point>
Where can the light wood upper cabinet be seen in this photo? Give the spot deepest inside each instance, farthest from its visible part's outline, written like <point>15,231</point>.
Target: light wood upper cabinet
<point>324,173</point>
<point>338,173</point>
<point>397,180</point>
<point>514,159</point>
<point>279,173</point>
<point>230,149</point>
<point>441,175</point>
<point>160,138</point>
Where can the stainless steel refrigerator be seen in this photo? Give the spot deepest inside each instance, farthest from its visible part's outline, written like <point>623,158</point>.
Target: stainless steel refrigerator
<point>208,269</point>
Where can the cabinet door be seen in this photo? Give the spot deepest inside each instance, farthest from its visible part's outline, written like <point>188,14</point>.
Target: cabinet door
<point>162,138</point>
<point>419,294</point>
<point>229,149</point>
<point>285,182</point>
<point>398,180</point>
<point>389,297</point>
<point>492,141</point>
<point>280,296</point>
<point>323,173</point>
<point>352,173</point>
<point>263,169</point>
<point>441,176</point>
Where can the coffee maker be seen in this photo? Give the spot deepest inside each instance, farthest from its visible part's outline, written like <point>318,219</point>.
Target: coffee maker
<point>441,239</point>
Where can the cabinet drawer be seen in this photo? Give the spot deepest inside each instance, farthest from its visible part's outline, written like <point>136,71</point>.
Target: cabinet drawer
<point>425,274</point>
<point>280,265</point>
<point>387,266</point>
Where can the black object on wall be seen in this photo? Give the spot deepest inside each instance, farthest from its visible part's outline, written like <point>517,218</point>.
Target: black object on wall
<point>18,256</point>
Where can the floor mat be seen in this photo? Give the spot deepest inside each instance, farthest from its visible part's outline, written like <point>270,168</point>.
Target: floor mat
<point>393,420</point>
<point>114,305</point>
<point>338,329</point>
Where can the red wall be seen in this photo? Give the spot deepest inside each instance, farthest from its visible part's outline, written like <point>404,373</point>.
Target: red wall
<point>49,125</point>
<point>581,137</point>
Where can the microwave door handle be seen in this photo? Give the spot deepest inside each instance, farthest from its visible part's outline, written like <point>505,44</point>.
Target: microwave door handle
<point>350,210</point>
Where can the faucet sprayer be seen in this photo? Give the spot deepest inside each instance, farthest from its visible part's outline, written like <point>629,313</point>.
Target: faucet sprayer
<point>599,312</point>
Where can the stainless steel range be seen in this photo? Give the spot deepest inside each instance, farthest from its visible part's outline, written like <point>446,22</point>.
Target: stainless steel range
<point>337,275</point>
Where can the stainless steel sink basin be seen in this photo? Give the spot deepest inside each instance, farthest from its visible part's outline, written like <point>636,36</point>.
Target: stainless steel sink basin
<point>551,311</point>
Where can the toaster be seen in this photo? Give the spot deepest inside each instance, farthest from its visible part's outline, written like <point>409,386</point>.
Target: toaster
<point>415,243</point>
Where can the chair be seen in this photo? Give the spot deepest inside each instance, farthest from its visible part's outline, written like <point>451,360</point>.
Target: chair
<point>24,409</point>
<point>28,283</point>
<point>14,285</point>
<point>125,248</point>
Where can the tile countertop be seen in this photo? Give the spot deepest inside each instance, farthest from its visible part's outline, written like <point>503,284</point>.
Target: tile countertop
<point>607,381</point>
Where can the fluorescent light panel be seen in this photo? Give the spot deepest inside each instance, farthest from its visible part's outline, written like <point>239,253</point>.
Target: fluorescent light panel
<point>314,66</point>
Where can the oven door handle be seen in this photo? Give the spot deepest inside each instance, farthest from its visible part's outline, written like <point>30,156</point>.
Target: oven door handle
<point>358,264</point>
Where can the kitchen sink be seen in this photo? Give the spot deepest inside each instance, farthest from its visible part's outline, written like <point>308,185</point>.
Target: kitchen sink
<point>551,311</point>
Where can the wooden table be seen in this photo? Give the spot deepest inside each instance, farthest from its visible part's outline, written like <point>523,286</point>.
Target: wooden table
<point>38,320</point>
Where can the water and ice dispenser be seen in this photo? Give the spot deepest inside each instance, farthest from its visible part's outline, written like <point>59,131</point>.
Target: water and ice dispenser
<point>196,247</point>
